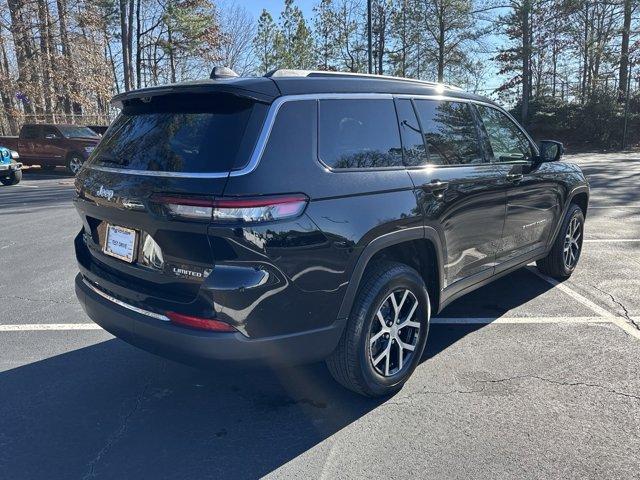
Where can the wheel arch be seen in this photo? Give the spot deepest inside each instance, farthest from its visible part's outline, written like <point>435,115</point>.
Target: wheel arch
<point>418,247</point>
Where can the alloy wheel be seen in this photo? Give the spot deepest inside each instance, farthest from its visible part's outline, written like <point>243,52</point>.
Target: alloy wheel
<point>74,164</point>
<point>394,333</point>
<point>572,243</point>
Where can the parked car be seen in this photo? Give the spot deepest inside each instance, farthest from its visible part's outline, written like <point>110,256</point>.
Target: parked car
<point>310,216</point>
<point>51,145</point>
<point>10,168</point>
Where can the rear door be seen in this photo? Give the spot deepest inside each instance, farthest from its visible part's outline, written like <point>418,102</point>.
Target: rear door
<point>533,197</point>
<point>458,189</point>
<point>29,136</point>
<point>149,185</point>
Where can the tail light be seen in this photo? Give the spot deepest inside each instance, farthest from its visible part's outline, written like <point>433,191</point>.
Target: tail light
<point>199,323</point>
<point>235,209</point>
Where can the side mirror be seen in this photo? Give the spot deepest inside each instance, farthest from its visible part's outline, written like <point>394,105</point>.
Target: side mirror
<point>550,150</point>
<point>50,136</point>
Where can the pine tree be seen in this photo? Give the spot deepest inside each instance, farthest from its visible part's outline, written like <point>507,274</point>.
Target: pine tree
<point>265,43</point>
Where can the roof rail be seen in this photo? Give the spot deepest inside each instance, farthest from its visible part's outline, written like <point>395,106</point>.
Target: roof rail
<point>285,72</point>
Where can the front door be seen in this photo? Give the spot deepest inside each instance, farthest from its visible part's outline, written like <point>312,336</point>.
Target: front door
<point>457,188</point>
<point>533,197</point>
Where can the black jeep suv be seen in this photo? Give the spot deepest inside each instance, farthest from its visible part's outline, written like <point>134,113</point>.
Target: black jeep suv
<point>305,216</point>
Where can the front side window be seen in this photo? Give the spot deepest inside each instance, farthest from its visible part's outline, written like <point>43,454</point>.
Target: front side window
<point>359,134</point>
<point>507,141</point>
<point>449,132</point>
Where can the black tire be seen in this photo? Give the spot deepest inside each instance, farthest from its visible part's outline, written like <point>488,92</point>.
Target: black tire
<point>350,363</point>
<point>13,179</point>
<point>554,263</point>
<point>74,162</point>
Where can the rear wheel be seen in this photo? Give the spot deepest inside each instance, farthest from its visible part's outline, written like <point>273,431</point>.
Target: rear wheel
<point>565,253</point>
<point>12,179</point>
<point>74,162</point>
<point>386,333</point>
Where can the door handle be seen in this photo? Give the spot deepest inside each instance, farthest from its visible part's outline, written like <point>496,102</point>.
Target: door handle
<point>436,187</point>
<point>515,177</point>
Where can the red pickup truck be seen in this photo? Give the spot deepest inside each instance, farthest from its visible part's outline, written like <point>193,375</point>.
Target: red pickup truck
<point>50,145</point>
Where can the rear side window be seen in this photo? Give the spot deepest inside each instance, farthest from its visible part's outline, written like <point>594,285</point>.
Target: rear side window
<point>415,154</point>
<point>181,133</point>
<point>449,132</point>
<point>30,132</point>
<point>359,134</point>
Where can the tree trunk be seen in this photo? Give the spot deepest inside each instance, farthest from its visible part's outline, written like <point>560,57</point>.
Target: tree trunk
<point>138,51</point>
<point>624,51</point>
<point>124,31</point>
<point>441,42</point>
<point>526,61</point>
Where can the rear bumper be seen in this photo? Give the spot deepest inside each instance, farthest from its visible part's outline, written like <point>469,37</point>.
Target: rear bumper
<point>163,338</point>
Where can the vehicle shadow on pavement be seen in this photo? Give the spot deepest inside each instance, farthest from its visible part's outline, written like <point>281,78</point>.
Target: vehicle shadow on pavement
<point>26,199</point>
<point>112,411</point>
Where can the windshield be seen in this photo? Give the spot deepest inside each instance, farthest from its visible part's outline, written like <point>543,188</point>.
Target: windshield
<point>180,134</point>
<point>72,131</point>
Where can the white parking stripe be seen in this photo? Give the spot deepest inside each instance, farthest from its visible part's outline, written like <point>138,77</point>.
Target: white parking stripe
<point>622,207</point>
<point>32,327</point>
<point>518,320</point>
<point>598,310</point>
<point>621,322</point>
<point>612,240</point>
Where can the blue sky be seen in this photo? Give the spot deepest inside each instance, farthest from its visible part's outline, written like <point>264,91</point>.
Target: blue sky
<point>275,7</point>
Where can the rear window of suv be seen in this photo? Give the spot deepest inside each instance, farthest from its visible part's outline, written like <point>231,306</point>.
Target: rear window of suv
<point>182,133</point>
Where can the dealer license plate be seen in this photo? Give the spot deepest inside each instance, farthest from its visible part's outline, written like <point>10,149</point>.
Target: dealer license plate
<point>120,242</point>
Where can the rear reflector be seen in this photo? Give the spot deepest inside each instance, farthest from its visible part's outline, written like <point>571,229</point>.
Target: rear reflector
<point>199,322</point>
<point>236,209</point>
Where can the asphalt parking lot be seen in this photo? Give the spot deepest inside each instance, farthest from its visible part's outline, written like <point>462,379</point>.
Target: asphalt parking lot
<point>523,378</point>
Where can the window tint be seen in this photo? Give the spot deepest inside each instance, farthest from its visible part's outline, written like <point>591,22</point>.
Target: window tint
<point>181,133</point>
<point>359,134</point>
<point>50,131</point>
<point>449,132</point>
<point>413,145</point>
<point>30,132</point>
<point>507,141</point>
<point>73,131</point>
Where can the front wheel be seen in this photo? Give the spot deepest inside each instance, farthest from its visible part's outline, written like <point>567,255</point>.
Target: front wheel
<point>565,253</point>
<point>386,332</point>
<point>74,163</point>
<point>12,179</point>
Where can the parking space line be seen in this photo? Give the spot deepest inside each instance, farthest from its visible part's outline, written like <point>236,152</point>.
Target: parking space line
<point>612,240</point>
<point>621,322</point>
<point>598,310</point>
<point>518,320</point>
<point>620,207</point>
<point>32,327</point>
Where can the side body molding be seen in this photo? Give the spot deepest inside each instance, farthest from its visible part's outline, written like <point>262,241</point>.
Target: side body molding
<point>384,241</point>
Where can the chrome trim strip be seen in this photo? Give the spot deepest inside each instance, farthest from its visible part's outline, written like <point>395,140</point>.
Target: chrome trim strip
<point>157,316</point>
<point>260,144</point>
<point>151,173</point>
<point>273,111</point>
<point>265,132</point>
